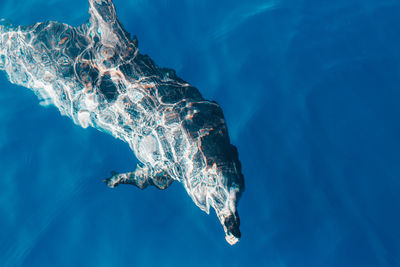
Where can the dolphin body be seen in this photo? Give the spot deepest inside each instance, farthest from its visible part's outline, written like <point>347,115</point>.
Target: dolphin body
<point>95,75</point>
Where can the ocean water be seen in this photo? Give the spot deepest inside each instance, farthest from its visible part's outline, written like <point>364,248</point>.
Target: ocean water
<point>310,92</point>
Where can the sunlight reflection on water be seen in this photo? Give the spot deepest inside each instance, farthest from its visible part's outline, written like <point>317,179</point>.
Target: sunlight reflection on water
<point>309,90</point>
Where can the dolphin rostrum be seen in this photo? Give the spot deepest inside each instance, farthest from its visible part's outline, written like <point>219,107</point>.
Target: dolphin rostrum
<point>95,75</point>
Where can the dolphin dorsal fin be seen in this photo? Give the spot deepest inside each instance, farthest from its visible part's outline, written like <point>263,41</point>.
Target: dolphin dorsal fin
<point>102,11</point>
<point>103,19</point>
<point>104,23</point>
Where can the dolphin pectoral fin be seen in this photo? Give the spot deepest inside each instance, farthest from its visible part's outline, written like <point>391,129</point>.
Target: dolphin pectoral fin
<point>119,178</point>
<point>142,177</point>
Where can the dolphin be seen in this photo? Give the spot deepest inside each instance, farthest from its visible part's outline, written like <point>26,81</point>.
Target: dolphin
<point>95,75</point>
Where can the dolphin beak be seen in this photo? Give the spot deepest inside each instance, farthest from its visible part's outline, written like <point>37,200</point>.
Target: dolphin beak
<point>231,225</point>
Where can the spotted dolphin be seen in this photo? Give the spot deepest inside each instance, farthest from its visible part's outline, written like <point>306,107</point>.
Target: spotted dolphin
<point>95,75</point>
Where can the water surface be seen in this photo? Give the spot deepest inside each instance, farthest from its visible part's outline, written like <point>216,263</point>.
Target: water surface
<point>310,91</point>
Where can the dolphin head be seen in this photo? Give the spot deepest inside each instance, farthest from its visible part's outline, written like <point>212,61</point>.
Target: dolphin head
<point>230,190</point>
<point>220,186</point>
<point>217,179</point>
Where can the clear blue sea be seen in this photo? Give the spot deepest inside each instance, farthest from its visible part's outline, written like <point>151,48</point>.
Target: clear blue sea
<point>310,90</point>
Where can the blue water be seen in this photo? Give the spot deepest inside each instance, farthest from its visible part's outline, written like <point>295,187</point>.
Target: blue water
<point>310,91</point>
